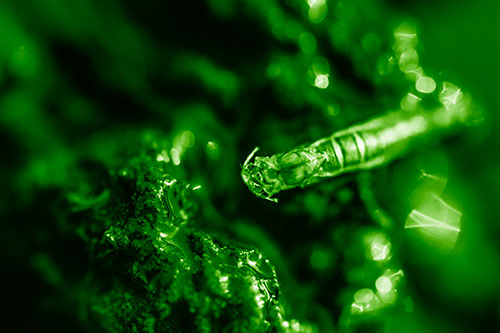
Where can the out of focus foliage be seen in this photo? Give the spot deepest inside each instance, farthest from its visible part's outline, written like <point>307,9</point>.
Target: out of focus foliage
<point>123,127</point>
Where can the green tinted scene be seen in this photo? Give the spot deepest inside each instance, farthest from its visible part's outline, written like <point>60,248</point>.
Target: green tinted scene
<point>250,166</point>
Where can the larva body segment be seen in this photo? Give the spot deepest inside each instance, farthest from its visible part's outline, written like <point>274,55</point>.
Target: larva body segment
<point>363,146</point>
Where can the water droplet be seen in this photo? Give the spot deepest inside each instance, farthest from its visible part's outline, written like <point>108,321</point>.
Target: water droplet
<point>255,260</point>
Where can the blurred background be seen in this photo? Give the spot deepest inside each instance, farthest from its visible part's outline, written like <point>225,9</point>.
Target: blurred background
<point>217,78</point>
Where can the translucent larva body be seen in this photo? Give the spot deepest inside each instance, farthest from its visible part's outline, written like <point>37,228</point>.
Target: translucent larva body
<point>364,146</point>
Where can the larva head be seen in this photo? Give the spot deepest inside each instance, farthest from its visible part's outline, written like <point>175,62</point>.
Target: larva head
<point>261,175</point>
<point>295,167</point>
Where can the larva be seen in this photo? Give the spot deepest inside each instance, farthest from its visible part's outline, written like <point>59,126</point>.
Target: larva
<point>363,146</point>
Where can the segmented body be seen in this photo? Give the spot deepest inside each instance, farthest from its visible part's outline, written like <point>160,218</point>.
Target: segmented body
<point>364,146</point>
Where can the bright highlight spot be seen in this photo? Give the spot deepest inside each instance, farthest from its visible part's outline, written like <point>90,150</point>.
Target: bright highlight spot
<point>413,98</point>
<point>435,222</point>
<point>379,252</point>
<point>163,157</point>
<point>317,10</point>
<point>364,300</point>
<point>212,150</point>
<point>224,283</point>
<point>321,81</point>
<point>380,247</point>
<point>419,220</point>
<point>176,158</point>
<point>451,96</point>
<point>425,85</point>
<point>383,284</point>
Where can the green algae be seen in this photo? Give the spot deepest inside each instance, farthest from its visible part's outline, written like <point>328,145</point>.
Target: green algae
<point>155,269</point>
